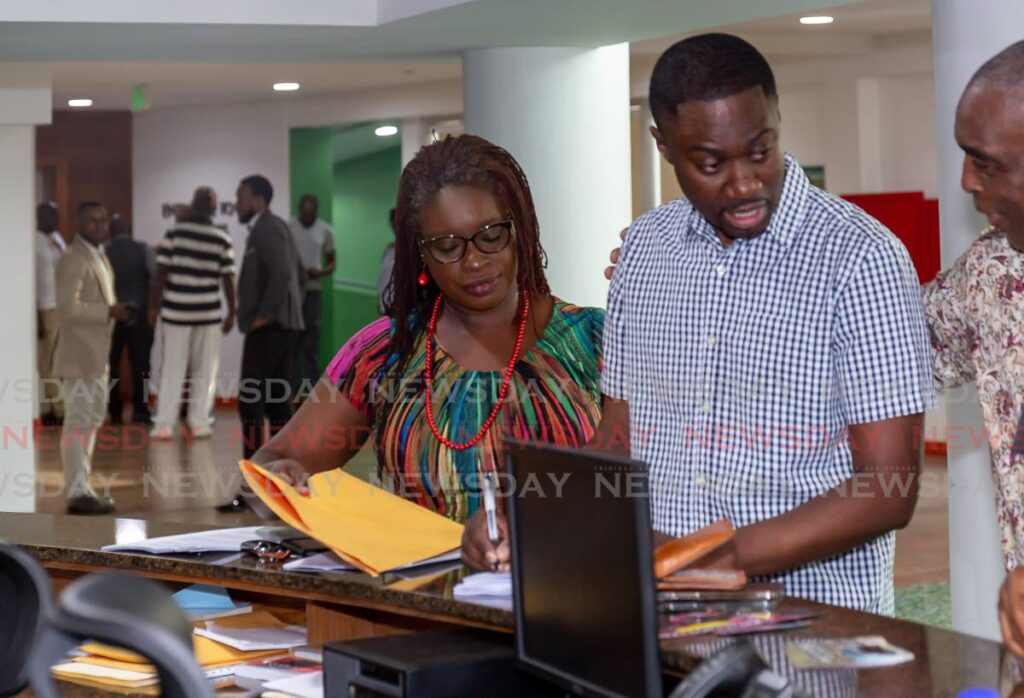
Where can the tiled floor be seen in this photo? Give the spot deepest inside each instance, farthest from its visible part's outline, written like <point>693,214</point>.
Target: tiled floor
<point>182,480</point>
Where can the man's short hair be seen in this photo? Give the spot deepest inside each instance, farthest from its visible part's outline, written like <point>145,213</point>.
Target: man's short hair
<point>311,198</point>
<point>86,205</point>
<point>1003,70</point>
<point>704,68</point>
<point>46,207</point>
<point>259,186</point>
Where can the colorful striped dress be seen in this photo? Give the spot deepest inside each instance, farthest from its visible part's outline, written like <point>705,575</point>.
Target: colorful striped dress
<point>554,396</point>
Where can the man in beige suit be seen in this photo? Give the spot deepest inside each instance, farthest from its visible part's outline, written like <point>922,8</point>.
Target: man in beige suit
<point>86,311</point>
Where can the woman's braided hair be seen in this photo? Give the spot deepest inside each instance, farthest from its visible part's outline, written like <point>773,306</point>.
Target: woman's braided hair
<point>455,161</point>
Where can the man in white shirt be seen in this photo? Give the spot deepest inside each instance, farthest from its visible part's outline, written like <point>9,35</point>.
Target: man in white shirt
<point>51,408</point>
<point>314,240</point>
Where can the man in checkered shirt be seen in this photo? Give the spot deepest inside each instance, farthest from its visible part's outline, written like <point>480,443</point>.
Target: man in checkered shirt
<point>765,345</point>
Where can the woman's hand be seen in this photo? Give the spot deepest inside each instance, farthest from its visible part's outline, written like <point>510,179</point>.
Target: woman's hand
<point>477,551</point>
<point>292,472</point>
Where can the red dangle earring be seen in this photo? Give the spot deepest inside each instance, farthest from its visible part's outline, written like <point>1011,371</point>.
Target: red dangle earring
<point>423,279</point>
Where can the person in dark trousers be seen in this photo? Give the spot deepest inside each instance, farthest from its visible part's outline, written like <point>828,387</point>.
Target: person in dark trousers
<point>134,263</point>
<point>314,240</point>
<point>271,287</point>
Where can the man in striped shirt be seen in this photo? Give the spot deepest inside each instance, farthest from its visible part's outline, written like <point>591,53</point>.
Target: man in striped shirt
<point>195,261</point>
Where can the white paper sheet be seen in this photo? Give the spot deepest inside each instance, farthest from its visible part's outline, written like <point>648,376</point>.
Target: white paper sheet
<point>492,589</point>
<point>305,686</point>
<point>222,540</point>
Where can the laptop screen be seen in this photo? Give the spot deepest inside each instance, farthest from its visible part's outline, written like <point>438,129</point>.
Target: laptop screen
<point>582,571</point>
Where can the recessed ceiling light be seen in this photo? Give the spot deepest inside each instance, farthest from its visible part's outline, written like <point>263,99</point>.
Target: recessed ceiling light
<point>817,19</point>
<point>286,86</point>
<point>386,130</point>
<point>79,102</point>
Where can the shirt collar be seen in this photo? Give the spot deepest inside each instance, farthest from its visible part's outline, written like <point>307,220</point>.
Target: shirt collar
<point>788,215</point>
<point>95,249</point>
<point>252,221</point>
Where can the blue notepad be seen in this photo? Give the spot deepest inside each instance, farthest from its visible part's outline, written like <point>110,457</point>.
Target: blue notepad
<point>204,602</point>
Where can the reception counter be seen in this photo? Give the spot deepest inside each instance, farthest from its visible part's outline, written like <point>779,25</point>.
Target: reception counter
<point>337,606</point>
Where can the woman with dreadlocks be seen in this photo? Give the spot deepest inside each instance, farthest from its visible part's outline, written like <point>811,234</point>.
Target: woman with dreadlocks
<point>474,347</point>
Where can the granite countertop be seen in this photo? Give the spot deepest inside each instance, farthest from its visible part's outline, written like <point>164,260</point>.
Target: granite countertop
<point>945,661</point>
<point>73,541</point>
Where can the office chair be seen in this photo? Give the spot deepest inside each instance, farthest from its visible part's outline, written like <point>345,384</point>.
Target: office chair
<point>117,609</point>
<point>135,613</point>
<point>25,604</point>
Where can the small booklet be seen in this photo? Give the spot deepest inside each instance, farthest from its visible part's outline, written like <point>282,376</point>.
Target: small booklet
<point>206,602</point>
<point>866,652</point>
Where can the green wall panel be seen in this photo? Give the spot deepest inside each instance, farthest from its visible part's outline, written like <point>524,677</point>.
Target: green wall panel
<point>355,197</point>
<point>311,161</point>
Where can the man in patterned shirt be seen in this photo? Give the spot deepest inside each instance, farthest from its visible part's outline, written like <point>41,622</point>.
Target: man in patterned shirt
<point>975,308</point>
<point>765,345</point>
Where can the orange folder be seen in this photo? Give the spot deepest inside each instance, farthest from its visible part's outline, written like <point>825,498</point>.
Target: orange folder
<point>364,525</point>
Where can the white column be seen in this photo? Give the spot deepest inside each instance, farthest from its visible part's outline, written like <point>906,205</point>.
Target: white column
<point>415,135</point>
<point>24,102</point>
<point>650,163</point>
<point>869,121</point>
<point>564,114</point>
<point>965,36</point>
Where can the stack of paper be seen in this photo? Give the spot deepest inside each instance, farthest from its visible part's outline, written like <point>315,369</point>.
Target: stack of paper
<point>363,525</point>
<point>254,632</point>
<point>487,589</point>
<point>105,666</point>
<point>329,562</point>
<point>100,675</point>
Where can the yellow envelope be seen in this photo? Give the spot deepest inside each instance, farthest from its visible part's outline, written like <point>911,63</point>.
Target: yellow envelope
<point>104,676</point>
<point>209,653</point>
<point>364,525</point>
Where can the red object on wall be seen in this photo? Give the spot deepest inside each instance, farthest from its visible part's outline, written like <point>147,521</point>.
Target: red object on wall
<point>915,221</point>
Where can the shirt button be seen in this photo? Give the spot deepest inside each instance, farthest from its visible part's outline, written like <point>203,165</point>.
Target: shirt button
<point>701,481</point>
<point>712,340</point>
<point>706,407</point>
<point>720,269</point>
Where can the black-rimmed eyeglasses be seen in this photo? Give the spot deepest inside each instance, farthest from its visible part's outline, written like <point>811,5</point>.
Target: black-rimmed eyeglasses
<point>491,239</point>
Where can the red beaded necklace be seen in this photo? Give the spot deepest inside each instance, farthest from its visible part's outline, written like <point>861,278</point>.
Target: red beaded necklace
<point>429,370</point>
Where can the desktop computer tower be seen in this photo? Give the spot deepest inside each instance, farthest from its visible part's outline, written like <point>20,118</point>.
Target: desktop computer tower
<point>438,664</point>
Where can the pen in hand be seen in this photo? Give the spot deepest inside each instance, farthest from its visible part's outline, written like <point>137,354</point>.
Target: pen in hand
<point>490,511</point>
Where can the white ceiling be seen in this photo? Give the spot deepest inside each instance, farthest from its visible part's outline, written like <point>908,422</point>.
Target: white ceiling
<point>857,28</point>
<point>447,31</point>
<point>176,84</point>
<point>430,45</point>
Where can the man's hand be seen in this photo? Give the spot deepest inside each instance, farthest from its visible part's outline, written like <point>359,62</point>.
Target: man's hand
<point>258,322</point>
<point>614,256</point>
<point>229,322</point>
<point>1011,611</point>
<point>291,471</point>
<point>152,315</point>
<point>314,273</point>
<point>477,551</point>
<point>120,312</point>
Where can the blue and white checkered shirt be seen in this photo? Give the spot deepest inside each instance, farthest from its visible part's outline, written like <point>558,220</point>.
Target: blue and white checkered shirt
<point>743,366</point>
